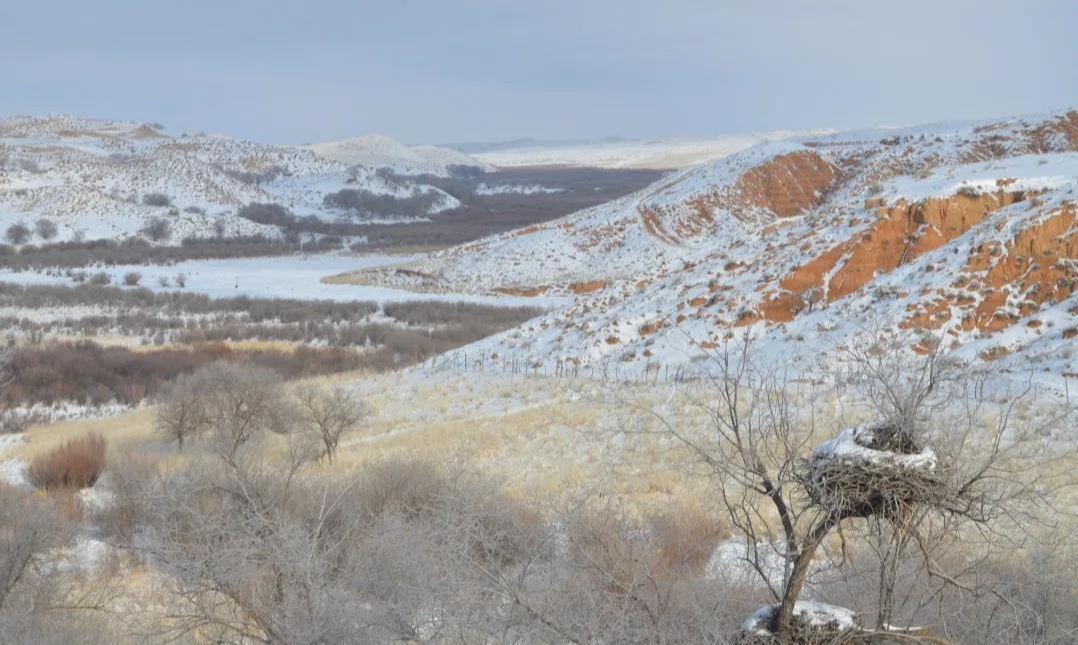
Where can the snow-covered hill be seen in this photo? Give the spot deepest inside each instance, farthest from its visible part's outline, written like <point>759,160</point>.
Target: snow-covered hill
<point>659,154</point>
<point>104,179</point>
<point>378,151</point>
<point>965,230</point>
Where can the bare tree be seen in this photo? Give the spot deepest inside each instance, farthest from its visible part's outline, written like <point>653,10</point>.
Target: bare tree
<point>30,530</point>
<point>45,229</point>
<point>232,403</point>
<point>157,229</point>
<point>787,497</point>
<point>17,233</point>
<point>180,413</point>
<point>331,414</point>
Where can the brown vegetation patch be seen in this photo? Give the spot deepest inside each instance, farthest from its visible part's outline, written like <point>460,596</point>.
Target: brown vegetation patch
<point>75,464</point>
<point>526,292</point>
<point>88,373</point>
<point>650,328</point>
<point>590,286</point>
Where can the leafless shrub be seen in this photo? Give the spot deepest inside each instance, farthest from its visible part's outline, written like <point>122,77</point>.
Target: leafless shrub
<point>17,233</point>
<point>366,203</point>
<point>180,279</point>
<point>92,374</point>
<point>156,199</point>
<point>126,479</point>
<point>330,415</point>
<point>29,165</point>
<point>75,464</point>
<point>157,229</point>
<point>406,487</point>
<point>180,413</point>
<point>132,278</point>
<point>45,228</point>
<point>255,178</point>
<point>31,528</point>
<point>237,403</point>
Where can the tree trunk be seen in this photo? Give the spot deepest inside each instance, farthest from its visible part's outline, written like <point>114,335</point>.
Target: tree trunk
<point>802,564</point>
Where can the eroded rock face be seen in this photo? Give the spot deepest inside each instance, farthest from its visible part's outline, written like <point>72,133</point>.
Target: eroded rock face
<point>1019,277</point>
<point>783,186</point>
<point>901,233</point>
<point>789,184</point>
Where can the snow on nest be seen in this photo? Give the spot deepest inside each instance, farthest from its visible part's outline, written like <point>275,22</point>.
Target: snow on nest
<point>851,444</point>
<point>816,614</point>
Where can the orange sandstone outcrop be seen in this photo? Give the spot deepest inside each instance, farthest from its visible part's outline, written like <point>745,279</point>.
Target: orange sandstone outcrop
<point>903,232</point>
<point>789,184</point>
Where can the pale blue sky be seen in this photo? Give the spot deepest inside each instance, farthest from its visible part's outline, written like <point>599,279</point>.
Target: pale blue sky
<point>465,70</point>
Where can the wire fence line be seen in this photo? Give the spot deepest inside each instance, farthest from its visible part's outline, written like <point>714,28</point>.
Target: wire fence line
<point>608,371</point>
<point>605,371</point>
<point>655,373</point>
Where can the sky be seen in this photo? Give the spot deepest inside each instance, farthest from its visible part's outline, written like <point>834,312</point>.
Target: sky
<point>485,70</point>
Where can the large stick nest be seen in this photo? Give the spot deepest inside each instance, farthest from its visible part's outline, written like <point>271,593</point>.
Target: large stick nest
<point>821,624</point>
<point>872,470</point>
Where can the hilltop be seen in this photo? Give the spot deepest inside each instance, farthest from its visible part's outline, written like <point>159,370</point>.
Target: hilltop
<point>966,231</point>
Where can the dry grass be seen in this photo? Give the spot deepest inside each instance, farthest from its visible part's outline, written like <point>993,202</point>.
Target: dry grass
<point>125,430</point>
<point>544,438</point>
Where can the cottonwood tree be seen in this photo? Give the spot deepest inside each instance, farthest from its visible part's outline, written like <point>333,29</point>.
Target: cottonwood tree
<point>786,498</point>
<point>230,403</point>
<point>330,414</point>
<point>180,413</point>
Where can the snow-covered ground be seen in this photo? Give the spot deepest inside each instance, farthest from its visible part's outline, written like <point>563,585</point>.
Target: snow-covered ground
<point>653,153</point>
<point>379,151</point>
<point>92,178</point>
<point>12,471</point>
<point>964,230</point>
<point>292,276</point>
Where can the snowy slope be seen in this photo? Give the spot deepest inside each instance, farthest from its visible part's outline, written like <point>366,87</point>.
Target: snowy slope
<point>378,151</point>
<point>90,177</point>
<point>966,231</point>
<point>653,153</point>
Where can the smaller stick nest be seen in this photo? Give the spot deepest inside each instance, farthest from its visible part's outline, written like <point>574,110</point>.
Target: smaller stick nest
<point>811,624</point>
<point>872,470</point>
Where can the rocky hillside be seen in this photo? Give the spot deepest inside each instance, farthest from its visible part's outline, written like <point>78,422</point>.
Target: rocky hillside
<point>965,230</point>
<point>108,179</point>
